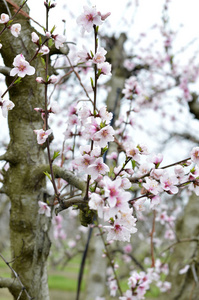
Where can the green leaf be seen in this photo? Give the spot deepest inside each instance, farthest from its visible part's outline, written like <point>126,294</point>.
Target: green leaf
<point>48,175</point>
<point>50,43</point>
<point>43,61</point>
<point>92,84</point>
<point>133,162</point>
<point>53,29</point>
<point>56,154</point>
<point>18,80</point>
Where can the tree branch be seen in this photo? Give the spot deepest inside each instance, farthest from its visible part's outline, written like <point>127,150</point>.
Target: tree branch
<point>5,70</point>
<point>9,282</point>
<point>66,203</point>
<point>59,172</point>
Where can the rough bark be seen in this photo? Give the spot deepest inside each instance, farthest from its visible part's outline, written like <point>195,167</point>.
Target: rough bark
<point>29,238</point>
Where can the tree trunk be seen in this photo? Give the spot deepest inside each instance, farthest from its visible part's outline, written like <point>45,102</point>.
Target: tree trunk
<point>29,238</point>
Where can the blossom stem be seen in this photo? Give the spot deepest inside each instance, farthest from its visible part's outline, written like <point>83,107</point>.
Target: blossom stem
<point>46,114</point>
<point>108,255</point>
<point>152,246</point>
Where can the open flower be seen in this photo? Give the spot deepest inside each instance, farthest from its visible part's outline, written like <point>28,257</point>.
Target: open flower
<point>21,67</point>
<point>89,18</point>
<point>15,29</point>
<point>6,105</point>
<point>44,209</point>
<point>42,135</point>
<point>4,18</point>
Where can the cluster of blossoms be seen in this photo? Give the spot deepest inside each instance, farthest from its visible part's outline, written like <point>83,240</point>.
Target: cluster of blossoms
<point>87,20</point>
<point>15,29</point>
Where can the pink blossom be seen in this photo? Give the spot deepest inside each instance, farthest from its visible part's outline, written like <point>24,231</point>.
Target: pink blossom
<point>131,87</point>
<point>168,183</point>
<point>97,168</point>
<point>15,29</point>
<point>139,204</point>
<point>44,50</point>
<point>59,40</point>
<point>105,68</point>
<point>35,37</point>
<point>40,80</point>
<point>83,162</point>
<point>53,79</point>
<point>21,67</point>
<point>104,135</point>
<point>112,190</point>
<point>6,105</point>
<point>157,159</point>
<point>4,18</point>
<point>96,202</point>
<point>104,16</point>
<point>132,151</point>
<point>83,55</point>
<point>128,248</point>
<point>42,135</point>
<point>152,186</point>
<point>118,232</point>
<point>44,209</point>
<point>105,115</point>
<point>89,18</point>
<point>99,57</point>
<point>195,155</point>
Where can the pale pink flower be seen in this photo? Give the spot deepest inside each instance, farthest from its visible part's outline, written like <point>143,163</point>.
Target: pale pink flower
<point>105,68</point>
<point>35,37</point>
<point>139,204</point>
<point>0,45</point>
<point>195,155</point>
<point>83,55</point>
<point>154,201</point>
<point>21,67</point>
<point>40,80</point>
<point>105,115</point>
<point>152,186</point>
<point>97,167</point>
<point>179,171</point>
<point>6,105</point>
<point>84,112</point>
<point>104,16</point>
<point>132,151</point>
<point>89,18</point>
<point>112,189</point>
<point>44,209</point>
<point>168,183</point>
<point>4,18</point>
<point>15,29</point>
<point>99,56</point>
<point>128,248</point>
<point>42,135</point>
<point>169,235</point>
<point>104,135</point>
<point>156,173</point>
<point>131,87</point>
<point>83,162</point>
<point>53,79</point>
<point>157,159</point>
<point>59,40</point>
<point>96,202</point>
<point>118,232</point>
<point>44,50</point>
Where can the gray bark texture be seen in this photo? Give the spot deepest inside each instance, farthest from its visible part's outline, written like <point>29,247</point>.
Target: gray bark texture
<point>29,238</point>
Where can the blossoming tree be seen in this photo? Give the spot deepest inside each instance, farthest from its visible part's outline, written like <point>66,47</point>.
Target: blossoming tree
<point>103,192</point>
